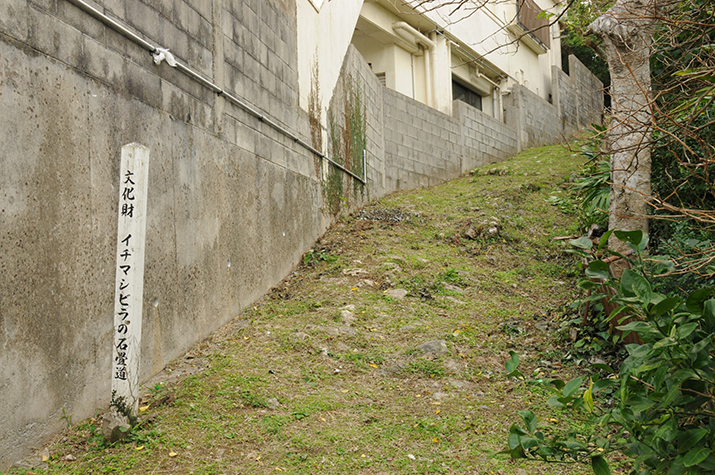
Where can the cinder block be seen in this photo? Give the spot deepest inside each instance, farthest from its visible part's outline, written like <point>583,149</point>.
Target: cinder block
<point>102,63</point>
<point>143,86</point>
<point>55,38</point>
<point>13,18</point>
<point>146,20</point>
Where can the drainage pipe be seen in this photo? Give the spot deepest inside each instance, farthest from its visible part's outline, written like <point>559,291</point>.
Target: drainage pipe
<point>160,54</point>
<point>421,39</point>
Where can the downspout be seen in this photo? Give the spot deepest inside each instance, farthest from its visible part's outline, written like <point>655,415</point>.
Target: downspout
<point>428,78</point>
<point>435,73</point>
<point>420,39</point>
<point>496,95</point>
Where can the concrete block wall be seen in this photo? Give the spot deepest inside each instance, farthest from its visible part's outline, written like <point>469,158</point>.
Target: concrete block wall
<point>260,53</point>
<point>578,97</point>
<point>372,91</point>
<point>422,145</point>
<point>484,138</point>
<point>224,188</point>
<point>589,90</point>
<point>537,122</point>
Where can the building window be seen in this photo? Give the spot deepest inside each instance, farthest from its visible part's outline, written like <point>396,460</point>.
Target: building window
<point>461,93</point>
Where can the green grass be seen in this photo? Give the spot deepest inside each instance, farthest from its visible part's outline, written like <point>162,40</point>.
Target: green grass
<point>356,396</point>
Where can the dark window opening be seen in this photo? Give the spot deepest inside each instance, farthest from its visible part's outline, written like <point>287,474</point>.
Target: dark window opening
<point>461,93</point>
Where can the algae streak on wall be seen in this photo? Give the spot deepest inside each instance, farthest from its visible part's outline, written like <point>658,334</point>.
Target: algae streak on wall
<point>348,145</point>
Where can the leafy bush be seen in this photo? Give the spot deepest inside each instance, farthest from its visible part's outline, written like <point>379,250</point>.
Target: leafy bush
<point>660,406</point>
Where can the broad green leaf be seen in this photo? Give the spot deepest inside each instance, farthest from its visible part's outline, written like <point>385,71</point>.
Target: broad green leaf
<point>600,466</point>
<point>700,346</point>
<point>665,342</point>
<point>586,284</point>
<point>633,238</point>
<point>635,327</point>
<point>687,439</point>
<point>604,239</point>
<point>528,442</point>
<point>709,308</point>
<point>687,329</point>
<point>696,456</point>
<point>667,430</point>
<point>572,386</point>
<point>582,243</point>
<point>639,404</point>
<point>574,445</point>
<point>599,265</point>
<point>708,463</point>
<point>529,420</point>
<point>603,367</point>
<point>604,383</point>
<point>635,285</point>
<point>554,402</point>
<point>513,441</point>
<point>641,351</point>
<point>596,274</point>
<point>512,363</point>
<point>709,315</point>
<point>665,306</point>
<point>696,300</point>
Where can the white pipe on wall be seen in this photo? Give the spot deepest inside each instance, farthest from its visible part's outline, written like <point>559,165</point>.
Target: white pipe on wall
<point>422,40</point>
<point>419,37</point>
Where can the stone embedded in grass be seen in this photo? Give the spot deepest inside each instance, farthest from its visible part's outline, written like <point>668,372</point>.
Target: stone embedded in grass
<point>434,348</point>
<point>398,294</point>
<point>114,427</point>
<point>348,316</point>
<point>355,272</point>
<point>486,228</point>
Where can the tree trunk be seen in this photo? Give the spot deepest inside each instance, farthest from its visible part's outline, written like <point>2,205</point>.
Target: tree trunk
<point>627,33</point>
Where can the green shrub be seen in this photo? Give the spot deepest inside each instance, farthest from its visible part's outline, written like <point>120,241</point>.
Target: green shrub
<point>659,408</point>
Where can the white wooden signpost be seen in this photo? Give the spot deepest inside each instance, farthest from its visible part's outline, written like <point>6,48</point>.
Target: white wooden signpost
<point>129,285</point>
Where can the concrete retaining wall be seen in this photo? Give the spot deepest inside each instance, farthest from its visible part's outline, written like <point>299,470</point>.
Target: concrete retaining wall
<point>485,139</point>
<point>422,146</point>
<point>223,188</point>
<point>233,203</point>
<point>578,97</point>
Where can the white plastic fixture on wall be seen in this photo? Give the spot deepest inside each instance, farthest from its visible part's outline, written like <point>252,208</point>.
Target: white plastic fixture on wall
<point>317,4</point>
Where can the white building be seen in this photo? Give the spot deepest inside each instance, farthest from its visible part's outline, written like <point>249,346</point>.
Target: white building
<point>434,51</point>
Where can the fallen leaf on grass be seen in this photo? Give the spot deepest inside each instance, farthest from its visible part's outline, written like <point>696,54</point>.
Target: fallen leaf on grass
<point>173,454</point>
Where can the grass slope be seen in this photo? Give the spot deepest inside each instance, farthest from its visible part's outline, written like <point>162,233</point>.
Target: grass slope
<point>330,374</point>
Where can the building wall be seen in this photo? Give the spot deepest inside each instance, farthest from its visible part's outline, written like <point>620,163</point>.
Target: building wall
<point>486,31</point>
<point>322,39</point>
<point>233,203</point>
<point>420,143</point>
